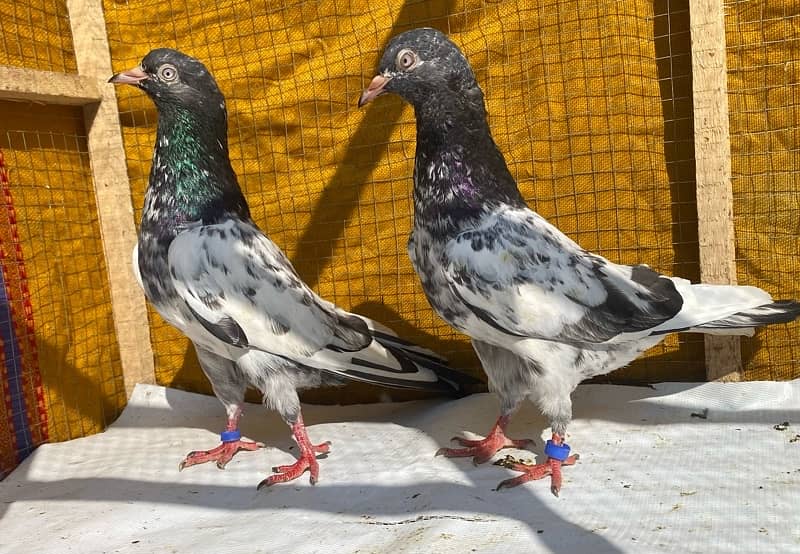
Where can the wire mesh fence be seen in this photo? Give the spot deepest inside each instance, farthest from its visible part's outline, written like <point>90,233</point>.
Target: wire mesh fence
<point>36,34</point>
<point>763,48</point>
<point>62,377</point>
<point>591,102</point>
<point>588,101</point>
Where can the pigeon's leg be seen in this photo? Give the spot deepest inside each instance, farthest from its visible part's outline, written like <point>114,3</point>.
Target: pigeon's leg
<point>231,444</point>
<point>559,408</point>
<point>557,456</point>
<point>307,460</point>
<point>507,374</point>
<point>482,450</point>
<point>229,386</point>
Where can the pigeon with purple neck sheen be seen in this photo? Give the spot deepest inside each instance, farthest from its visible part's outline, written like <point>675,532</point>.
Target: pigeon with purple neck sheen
<point>213,274</point>
<point>543,313</point>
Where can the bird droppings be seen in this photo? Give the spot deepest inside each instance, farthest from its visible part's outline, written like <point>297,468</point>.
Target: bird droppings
<point>509,461</point>
<point>795,438</point>
<point>701,415</point>
<point>781,426</point>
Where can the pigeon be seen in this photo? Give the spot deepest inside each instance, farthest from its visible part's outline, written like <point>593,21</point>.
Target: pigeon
<point>542,313</point>
<point>209,271</point>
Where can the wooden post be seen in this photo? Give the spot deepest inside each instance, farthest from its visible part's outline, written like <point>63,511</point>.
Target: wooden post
<point>112,190</point>
<point>47,87</point>
<point>712,150</point>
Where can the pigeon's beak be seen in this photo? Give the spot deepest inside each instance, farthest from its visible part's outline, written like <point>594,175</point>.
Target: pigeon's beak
<point>130,77</point>
<point>375,89</point>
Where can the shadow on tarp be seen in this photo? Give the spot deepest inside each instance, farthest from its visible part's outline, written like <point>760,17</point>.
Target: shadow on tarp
<point>454,499</point>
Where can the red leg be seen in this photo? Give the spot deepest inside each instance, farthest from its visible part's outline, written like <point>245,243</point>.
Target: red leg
<point>225,451</point>
<point>482,450</point>
<point>307,461</point>
<point>551,467</point>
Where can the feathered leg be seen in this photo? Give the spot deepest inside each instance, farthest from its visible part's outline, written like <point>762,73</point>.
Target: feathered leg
<point>505,372</point>
<point>280,394</point>
<point>229,386</point>
<point>554,400</point>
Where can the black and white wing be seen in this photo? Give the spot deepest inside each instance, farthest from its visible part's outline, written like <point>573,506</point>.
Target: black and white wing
<point>243,291</point>
<point>523,277</point>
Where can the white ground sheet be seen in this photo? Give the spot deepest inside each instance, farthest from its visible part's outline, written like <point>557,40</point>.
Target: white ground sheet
<point>652,478</point>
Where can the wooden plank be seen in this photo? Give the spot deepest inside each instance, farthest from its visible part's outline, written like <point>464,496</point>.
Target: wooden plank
<point>47,87</point>
<point>112,189</point>
<point>713,171</point>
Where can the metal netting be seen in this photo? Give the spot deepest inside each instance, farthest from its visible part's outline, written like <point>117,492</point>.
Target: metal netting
<point>763,52</point>
<point>590,102</point>
<point>36,34</point>
<point>61,366</point>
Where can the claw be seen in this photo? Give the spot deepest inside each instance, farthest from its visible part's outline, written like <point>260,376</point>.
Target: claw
<point>532,472</point>
<point>482,450</point>
<point>306,462</point>
<point>222,454</point>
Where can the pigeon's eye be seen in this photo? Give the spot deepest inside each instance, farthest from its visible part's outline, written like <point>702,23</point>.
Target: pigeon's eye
<point>168,72</point>
<point>406,59</point>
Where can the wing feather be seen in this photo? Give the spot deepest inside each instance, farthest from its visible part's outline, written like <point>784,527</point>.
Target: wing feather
<point>243,290</point>
<point>522,276</point>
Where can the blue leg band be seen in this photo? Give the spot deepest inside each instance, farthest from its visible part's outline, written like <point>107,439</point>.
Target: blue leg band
<point>230,436</point>
<point>558,452</point>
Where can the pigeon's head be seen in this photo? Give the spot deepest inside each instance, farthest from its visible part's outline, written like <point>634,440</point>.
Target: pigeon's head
<point>173,79</point>
<point>421,66</point>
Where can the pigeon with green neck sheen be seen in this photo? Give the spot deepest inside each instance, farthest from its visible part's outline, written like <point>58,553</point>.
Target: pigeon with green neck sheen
<point>543,313</point>
<point>213,274</point>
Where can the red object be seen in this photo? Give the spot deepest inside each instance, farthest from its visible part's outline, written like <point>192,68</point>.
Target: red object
<point>551,467</point>
<point>482,450</point>
<point>307,461</point>
<point>224,452</point>
<point>20,377</point>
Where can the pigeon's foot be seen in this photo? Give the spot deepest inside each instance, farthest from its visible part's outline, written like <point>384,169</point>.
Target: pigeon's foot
<point>221,454</point>
<point>558,455</point>
<point>482,450</point>
<point>307,461</point>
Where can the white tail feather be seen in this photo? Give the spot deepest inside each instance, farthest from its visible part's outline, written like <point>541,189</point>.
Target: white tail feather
<point>703,303</point>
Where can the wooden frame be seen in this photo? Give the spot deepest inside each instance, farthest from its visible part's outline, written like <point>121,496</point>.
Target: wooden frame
<point>109,169</point>
<point>112,189</point>
<point>712,151</point>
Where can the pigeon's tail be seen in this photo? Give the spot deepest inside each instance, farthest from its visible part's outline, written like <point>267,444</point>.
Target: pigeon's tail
<point>744,322</point>
<point>393,362</point>
<point>448,380</point>
<point>429,362</point>
<point>726,310</point>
